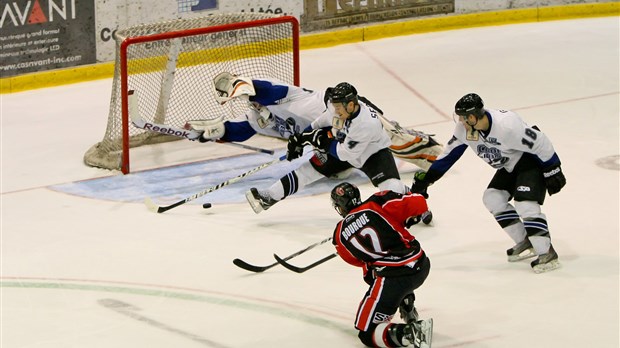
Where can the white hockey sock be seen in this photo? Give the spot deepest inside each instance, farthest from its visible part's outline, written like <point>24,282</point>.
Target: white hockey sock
<point>393,185</point>
<point>380,333</point>
<point>516,232</point>
<point>294,181</point>
<point>535,223</point>
<point>541,244</point>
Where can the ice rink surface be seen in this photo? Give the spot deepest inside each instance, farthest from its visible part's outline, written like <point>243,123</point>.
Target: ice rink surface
<point>85,264</point>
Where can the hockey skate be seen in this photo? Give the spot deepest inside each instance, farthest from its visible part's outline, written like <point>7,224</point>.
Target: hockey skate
<point>546,262</point>
<point>521,251</point>
<point>259,201</point>
<point>419,333</point>
<point>407,310</point>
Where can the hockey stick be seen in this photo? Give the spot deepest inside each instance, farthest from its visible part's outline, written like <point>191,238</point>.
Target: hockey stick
<point>303,269</point>
<point>258,269</point>
<point>160,209</point>
<point>189,134</point>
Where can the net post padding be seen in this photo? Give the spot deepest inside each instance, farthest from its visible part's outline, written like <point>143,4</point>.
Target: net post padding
<point>171,66</point>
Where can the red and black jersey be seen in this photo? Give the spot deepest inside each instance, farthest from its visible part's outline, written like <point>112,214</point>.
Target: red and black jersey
<point>373,234</point>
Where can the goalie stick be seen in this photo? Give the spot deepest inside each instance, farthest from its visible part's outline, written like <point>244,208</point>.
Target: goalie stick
<point>160,209</point>
<point>258,269</point>
<point>302,269</point>
<point>190,134</point>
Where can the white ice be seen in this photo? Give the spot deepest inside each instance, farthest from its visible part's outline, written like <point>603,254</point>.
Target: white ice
<point>102,272</point>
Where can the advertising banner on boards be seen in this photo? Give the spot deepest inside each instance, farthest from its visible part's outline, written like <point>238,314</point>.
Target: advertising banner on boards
<point>39,35</point>
<point>327,14</point>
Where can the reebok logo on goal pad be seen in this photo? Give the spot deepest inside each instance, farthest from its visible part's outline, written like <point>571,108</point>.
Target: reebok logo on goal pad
<point>177,133</point>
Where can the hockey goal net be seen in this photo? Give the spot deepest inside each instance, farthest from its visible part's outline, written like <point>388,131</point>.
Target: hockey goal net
<point>171,65</point>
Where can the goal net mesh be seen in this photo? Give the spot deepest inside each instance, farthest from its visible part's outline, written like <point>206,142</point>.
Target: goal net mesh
<point>171,66</point>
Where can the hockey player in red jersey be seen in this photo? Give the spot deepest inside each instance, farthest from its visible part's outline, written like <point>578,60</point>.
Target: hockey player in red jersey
<point>373,235</point>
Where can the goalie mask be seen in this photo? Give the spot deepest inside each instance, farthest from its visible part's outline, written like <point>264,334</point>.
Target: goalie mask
<point>228,86</point>
<point>345,196</point>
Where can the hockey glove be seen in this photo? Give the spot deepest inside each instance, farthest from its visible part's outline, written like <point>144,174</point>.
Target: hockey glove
<point>420,184</point>
<point>202,138</point>
<point>413,220</point>
<point>369,275</point>
<point>554,179</point>
<point>212,129</point>
<point>319,138</point>
<point>294,148</point>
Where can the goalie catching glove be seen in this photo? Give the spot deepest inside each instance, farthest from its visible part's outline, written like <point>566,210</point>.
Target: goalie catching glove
<point>320,139</point>
<point>211,129</point>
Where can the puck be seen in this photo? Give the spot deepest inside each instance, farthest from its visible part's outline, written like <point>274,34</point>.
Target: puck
<point>207,205</point>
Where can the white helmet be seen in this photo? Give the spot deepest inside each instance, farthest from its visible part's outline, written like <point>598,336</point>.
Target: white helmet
<point>229,86</point>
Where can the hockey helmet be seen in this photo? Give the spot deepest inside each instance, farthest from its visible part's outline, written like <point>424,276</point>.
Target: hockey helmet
<point>343,93</point>
<point>345,196</point>
<point>229,86</point>
<point>470,104</point>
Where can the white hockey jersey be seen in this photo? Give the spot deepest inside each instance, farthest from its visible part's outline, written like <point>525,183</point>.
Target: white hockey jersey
<point>284,101</point>
<point>361,137</point>
<point>501,146</point>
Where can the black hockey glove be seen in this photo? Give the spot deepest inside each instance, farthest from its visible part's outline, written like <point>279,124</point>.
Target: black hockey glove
<point>413,220</point>
<point>319,138</point>
<point>420,184</point>
<point>294,148</point>
<point>554,179</point>
<point>369,276</point>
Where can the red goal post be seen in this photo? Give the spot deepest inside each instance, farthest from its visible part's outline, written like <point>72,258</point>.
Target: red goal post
<point>171,66</point>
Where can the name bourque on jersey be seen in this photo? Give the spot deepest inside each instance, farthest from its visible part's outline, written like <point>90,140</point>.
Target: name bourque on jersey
<point>502,147</point>
<point>373,232</point>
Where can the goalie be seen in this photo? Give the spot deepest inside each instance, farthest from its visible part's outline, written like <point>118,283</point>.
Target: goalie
<point>274,102</point>
<point>284,111</point>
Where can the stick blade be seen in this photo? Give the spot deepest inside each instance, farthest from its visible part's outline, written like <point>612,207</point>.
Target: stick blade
<point>151,205</point>
<point>134,113</point>
<point>246,266</point>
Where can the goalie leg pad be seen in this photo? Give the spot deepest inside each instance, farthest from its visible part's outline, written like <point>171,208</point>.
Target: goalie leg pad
<point>421,151</point>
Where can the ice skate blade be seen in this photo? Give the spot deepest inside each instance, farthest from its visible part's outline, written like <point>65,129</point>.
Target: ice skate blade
<point>426,327</point>
<point>526,254</point>
<point>546,267</point>
<point>254,203</point>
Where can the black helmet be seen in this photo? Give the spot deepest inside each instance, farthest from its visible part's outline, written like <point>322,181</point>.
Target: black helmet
<point>345,196</point>
<point>343,93</point>
<point>470,104</point>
